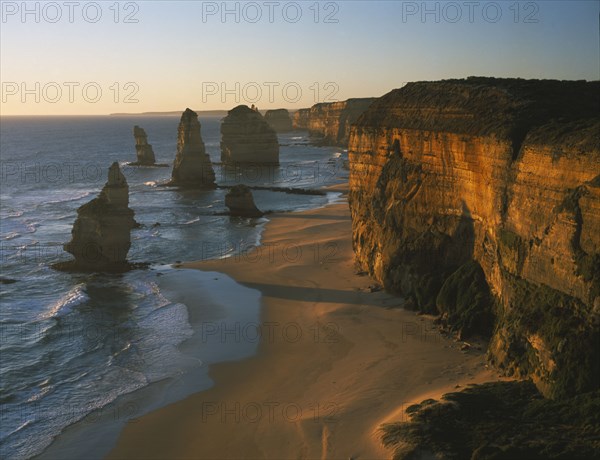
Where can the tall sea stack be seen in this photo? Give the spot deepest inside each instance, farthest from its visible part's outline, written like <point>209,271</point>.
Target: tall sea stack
<point>143,150</point>
<point>101,234</point>
<point>247,138</point>
<point>279,120</point>
<point>192,167</point>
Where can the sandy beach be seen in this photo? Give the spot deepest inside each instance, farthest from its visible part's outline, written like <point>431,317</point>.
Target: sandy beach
<point>334,359</point>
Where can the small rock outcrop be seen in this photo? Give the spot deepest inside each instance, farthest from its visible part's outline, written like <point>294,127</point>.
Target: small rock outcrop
<point>101,234</point>
<point>240,202</point>
<point>247,138</point>
<point>143,150</point>
<point>192,167</point>
<point>279,120</point>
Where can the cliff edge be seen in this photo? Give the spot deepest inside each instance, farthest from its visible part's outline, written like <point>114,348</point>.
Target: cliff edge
<point>479,200</point>
<point>331,121</point>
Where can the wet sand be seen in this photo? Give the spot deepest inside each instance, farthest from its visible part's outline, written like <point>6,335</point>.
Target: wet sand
<point>334,359</point>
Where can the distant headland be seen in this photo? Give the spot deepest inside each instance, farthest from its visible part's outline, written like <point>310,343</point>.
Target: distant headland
<point>173,113</point>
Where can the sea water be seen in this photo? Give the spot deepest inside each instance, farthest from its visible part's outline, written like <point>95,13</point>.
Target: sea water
<point>72,344</point>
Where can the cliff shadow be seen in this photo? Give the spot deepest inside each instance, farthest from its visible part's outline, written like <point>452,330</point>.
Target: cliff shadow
<point>439,252</point>
<point>315,216</point>
<point>312,294</point>
<point>464,300</point>
<point>462,241</point>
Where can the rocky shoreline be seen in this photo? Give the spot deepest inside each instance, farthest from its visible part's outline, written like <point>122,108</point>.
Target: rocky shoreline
<point>457,172</point>
<point>478,201</point>
<point>330,122</point>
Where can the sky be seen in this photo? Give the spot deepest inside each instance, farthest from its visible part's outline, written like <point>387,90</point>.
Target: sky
<point>93,58</point>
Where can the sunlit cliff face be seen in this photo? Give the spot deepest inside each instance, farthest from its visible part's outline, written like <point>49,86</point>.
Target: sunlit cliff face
<point>495,184</point>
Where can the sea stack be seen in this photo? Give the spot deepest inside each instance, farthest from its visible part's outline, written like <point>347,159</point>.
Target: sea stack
<point>192,167</point>
<point>240,202</point>
<point>247,138</point>
<point>143,150</point>
<point>279,120</point>
<point>101,234</point>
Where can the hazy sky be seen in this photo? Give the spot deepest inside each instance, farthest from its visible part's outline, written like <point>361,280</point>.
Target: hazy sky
<point>101,57</point>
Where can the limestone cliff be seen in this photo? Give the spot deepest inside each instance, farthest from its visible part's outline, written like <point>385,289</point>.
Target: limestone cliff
<point>331,121</point>
<point>494,176</point>
<point>101,234</point>
<point>143,150</point>
<point>240,202</point>
<point>247,138</point>
<point>192,167</point>
<point>300,119</point>
<point>279,120</point>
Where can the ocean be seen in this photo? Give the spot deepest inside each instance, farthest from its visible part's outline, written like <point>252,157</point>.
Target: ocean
<point>77,346</point>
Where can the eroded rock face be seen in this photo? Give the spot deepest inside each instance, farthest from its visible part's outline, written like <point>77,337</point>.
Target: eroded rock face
<point>247,138</point>
<point>279,120</point>
<point>300,119</point>
<point>101,234</point>
<point>143,150</point>
<point>498,172</point>
<point>240,202</point>
<point>331,121</point>
<point>192,167</point>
